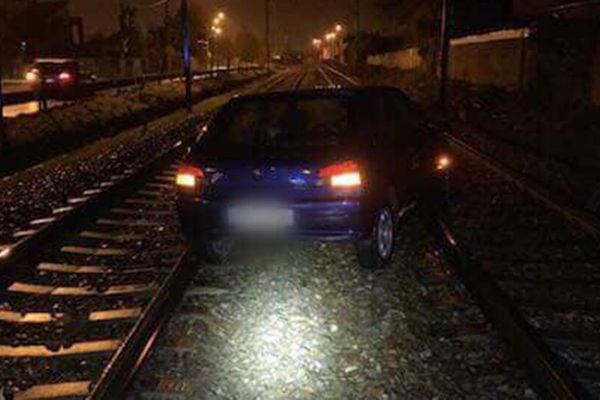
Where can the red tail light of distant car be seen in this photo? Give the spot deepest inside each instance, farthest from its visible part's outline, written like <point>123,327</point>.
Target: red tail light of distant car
<point>65,77</point>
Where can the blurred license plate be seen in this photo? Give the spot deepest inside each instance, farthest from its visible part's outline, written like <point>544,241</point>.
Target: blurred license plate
<point>259,217</point>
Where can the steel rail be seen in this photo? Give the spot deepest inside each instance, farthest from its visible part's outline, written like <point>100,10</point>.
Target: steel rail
<point>129,357</point>
<point>349,79</point>
<point>586,220</point>
<point>549,373</point>
<point>550,376</point>
<point>23,248</point>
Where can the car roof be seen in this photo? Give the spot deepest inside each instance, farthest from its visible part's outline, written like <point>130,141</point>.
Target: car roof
<point>319,92</point>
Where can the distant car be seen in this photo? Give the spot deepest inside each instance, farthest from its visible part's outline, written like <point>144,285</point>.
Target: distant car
<point>330,165</point>
<point>58,76</point>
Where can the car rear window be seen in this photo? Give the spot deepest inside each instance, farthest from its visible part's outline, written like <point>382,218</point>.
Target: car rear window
<point>285,124</point>
<point>55,68</point>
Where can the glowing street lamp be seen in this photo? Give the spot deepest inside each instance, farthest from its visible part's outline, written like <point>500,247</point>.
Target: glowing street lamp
<point>220,17</point>
<point>339,28</point>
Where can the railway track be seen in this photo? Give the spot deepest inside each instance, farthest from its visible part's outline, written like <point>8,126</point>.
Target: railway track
<point>89,291</point>
<point>85,291</point>
<point>535,271</point>
<point>217,303</point>
<point>531,261</point>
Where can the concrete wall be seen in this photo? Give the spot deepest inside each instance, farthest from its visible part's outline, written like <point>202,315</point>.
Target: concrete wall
<point>406,60</point>
<point>499,58</point>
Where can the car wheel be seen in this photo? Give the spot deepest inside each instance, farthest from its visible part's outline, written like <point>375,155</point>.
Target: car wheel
<point>216,251</point>
<point>376,251</point>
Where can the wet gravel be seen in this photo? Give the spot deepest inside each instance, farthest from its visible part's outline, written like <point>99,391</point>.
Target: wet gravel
<point>306,321</point>
<point>36,192</point>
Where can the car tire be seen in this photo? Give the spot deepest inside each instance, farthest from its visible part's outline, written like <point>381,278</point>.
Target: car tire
<point>376,251</point>
<point>216,251</point>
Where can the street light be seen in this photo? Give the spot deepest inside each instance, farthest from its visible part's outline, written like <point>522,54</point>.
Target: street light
<point>339,28</point>
<point>217,31</point>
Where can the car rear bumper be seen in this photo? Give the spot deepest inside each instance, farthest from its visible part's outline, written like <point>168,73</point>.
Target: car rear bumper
<point>328,220</point>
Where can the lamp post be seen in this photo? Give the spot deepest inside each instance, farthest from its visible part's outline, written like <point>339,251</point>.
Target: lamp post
<point>186,53</point>
<point>216,31</point>
<point>444,53</point>
<point>316,42</point>
<point>357,17</point>
<point>267,32</point>
<point>338,30</point>
<point>330,38</point>
<point>3,135</point>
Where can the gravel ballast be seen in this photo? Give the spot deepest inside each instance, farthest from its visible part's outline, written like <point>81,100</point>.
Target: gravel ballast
<point>306,321</point>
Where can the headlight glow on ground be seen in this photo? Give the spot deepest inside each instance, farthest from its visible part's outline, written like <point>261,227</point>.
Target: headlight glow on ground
<point>285,345</point>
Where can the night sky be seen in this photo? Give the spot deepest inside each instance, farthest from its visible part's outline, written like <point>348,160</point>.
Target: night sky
<point>300,20</point>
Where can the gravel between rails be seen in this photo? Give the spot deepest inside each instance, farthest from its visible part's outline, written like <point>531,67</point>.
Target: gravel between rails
<point>305,321</point>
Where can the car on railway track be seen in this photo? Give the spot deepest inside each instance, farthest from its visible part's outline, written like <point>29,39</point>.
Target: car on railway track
<point>326,164</point>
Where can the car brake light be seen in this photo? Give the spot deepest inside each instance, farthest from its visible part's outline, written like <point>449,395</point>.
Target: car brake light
<point>345,174</point>
<point>443,162</point>
<point>64,76</point>
<point>189,177</point>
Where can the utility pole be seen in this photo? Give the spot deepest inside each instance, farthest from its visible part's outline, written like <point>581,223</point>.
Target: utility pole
<point>357,17</point>
<point>444,52</point>
<point>165,40</point>
<point>3,135</point>
<point>186,54</point>
<point>267,32</point>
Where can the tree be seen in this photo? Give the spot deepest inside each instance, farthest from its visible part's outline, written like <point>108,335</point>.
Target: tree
<point>9,47</point>
<point>10,13</point>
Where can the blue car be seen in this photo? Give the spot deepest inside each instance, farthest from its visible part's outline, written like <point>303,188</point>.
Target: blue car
<point>330,165</point>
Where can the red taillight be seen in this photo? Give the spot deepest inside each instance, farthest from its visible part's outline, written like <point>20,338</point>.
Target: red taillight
<point>189,177</point>
<point>344,175</point>
<point>65,77</point>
